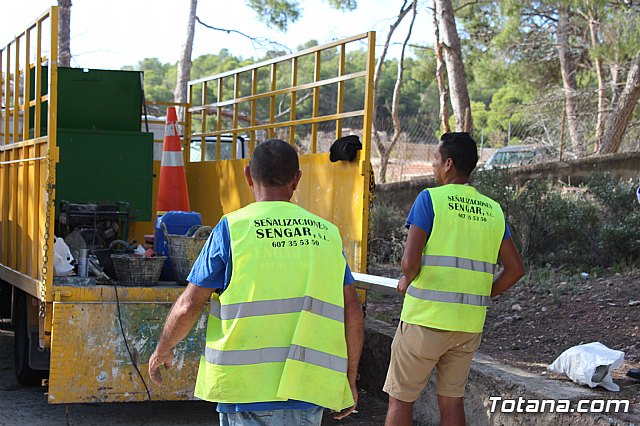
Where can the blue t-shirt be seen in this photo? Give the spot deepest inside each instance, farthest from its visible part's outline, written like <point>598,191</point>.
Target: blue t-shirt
<point>422,214</point>
<point>212,269</point>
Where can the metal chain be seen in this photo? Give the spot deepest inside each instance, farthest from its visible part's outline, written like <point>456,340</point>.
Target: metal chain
<point>47,234</point>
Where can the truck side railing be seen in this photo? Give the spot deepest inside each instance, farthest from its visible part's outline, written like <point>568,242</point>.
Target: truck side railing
<point>28,155</point>
<point>281,98</point>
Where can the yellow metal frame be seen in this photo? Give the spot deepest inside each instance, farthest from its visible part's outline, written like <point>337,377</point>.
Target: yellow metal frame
<point>27,161</point>
<point>77,323</point>
<point>347,205</point>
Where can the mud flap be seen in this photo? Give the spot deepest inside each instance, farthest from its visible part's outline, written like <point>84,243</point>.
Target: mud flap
<point>90,361</point>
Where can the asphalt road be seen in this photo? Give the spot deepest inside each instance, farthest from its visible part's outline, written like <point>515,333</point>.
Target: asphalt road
<point>21,405</point>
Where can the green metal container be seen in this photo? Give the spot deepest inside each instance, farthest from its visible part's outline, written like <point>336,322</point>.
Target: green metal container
<point>94,99</point>
<point>104,157</point>
<point>106,167</point>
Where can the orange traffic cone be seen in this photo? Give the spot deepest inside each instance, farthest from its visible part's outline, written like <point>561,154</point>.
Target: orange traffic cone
<point>172,188</point>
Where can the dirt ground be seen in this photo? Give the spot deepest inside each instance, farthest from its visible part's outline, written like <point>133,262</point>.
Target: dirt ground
<point>545,314</point>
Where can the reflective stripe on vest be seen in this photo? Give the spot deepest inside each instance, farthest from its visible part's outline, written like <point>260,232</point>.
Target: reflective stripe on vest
<point>448,297</point>
<point>263,355</point>
<point>459,262</point>
<point>275,307</point>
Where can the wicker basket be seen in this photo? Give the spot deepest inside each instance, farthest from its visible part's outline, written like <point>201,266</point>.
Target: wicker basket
<point>137,271</point>
<point>184,249</point>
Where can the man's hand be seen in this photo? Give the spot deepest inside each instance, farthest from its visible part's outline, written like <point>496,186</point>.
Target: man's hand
<point>512,268</point>
<point>184,314</point>
<point>403,285</point>
<point>156,361</point>
<point>345,412</point>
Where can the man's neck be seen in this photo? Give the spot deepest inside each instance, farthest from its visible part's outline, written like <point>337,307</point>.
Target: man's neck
<point>458,180</point>
<point>269,193</point>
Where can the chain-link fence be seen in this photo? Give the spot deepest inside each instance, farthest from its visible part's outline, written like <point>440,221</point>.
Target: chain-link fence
<point>412,154</point>
<point>543,124</point>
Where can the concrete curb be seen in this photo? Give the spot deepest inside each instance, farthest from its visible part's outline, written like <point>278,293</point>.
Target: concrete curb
<point>487,378</point>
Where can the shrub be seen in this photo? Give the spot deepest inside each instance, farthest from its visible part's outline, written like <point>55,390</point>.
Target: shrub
<point>387,233</point>
<point>595,225</point>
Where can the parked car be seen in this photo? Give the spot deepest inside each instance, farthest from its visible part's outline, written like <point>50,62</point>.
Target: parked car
<point>226,148</point>
<point>517,155</point>
<point>156,125</point>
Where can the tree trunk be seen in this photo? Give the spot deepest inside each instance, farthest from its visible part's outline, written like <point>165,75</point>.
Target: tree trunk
<point>616,89</point>
<point>567,68</point>
<point>381,149</point>
<point>184,64</point>
<point>397,128</point>
<point>440,77</point>
<point>382,169</point>
<point>455,67</point>
<point>64,33</point>
<point>623,110</point>
<point>593,30</point>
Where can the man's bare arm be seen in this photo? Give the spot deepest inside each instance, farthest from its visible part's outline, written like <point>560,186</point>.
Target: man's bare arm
<point>184,313</point>
<point>412,257</point>
<point>512,270</point>
<point>354,331</point>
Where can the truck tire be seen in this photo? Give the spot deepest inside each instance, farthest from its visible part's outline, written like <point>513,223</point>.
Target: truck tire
<point>24,373</point>
<point>5,299</point>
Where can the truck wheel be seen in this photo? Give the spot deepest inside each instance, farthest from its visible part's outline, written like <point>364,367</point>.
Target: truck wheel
<point>24,373</point>
<point>5,299</point>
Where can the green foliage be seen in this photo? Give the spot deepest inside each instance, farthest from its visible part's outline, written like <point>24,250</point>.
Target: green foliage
<point>280,13</point>
<point>159,80</point>
<point>343,4</point>
<point>276,13</point>
<point>387,233</point>
<point>509,50</point>
<point>414,101</point>
<point>480,115</point>
<point>506,106</point>
<point>596,225</point>
<point>512,45</point>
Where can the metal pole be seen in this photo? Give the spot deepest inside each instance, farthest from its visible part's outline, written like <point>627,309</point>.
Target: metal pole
<point>509,135</point>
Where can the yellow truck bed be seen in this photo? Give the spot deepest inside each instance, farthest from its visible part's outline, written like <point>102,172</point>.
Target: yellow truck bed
<point>99,337</point>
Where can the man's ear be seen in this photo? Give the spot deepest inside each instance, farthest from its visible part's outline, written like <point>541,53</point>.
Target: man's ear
<point>296,179</point>
<point>448,164</point>
<point>247,175</point>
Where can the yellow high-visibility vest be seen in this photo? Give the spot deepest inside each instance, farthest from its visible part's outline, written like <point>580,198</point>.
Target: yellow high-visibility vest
<point>277,332</point>
<point>452,290</point>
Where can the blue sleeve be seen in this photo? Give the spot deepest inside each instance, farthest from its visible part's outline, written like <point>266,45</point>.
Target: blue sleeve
<point>507,231</point>
<point>422,214</point>
<point>212,266</point>
<point>348,278</point>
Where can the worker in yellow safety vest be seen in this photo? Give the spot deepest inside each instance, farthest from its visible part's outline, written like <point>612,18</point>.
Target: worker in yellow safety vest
<point>456,237</point>
<point>284,337</point>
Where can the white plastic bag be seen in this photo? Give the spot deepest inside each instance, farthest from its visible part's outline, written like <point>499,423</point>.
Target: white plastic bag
<point>589,364</point>
<point>139,251</point>
<point>62,258</point>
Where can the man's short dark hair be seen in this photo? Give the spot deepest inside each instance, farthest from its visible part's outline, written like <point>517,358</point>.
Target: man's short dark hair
<point>461,148</point>
<point>274,163</point>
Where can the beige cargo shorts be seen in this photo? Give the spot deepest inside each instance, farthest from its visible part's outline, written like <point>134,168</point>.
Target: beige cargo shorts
<point>416,350</point>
